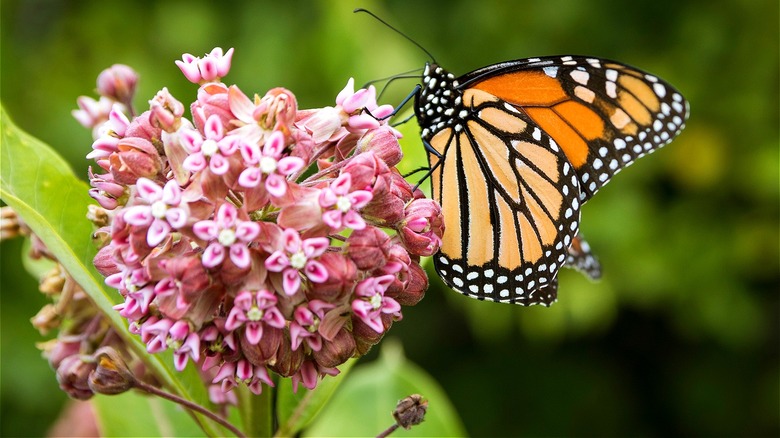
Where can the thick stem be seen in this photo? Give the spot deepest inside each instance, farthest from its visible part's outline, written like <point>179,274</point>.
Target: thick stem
<point>388,431</point>
<point>257,411</point>
<point>189,405</point>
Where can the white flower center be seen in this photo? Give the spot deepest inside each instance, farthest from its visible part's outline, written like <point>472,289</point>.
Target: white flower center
<point>209,147</point>
<point>268,165</point>
<point>254,314</point>
<point>158,209</point>
<point>227,237</point>
<point>376,301</point>
<point>298,260</point>
<point>343,204</point>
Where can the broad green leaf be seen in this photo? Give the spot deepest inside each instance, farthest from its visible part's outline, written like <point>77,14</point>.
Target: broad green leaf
<point>134,414</point>
<point>364,404</point>
<point>40,186</point>
<point>297,410</point>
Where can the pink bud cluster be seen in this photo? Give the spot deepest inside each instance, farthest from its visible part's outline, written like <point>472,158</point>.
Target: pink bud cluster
<point>256,237</point>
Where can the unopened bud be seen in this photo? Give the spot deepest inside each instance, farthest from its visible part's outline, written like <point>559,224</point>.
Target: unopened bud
<point>410,411</point>
<point>73,375</point>
<point>415,287</point>
<point>46,319</point>
<point>112,376</point>
<point>118,82</point>
<point>53,282</point>
<point>336,352</point>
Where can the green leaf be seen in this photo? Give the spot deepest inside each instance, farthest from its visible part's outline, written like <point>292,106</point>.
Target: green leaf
<point>364,404</point>
<point>297,410</point>
<point>40,186</point>
<point>135,414</point>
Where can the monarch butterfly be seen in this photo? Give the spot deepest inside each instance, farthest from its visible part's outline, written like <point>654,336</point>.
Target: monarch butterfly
<point>516,148</point>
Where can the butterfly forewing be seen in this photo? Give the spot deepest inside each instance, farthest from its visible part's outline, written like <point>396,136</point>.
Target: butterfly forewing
<point>603,114</point>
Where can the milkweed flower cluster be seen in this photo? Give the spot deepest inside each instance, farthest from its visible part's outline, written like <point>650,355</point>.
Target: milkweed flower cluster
<point>255,237</point>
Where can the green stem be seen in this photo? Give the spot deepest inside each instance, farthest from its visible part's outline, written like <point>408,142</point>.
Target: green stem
<point>257,411</point>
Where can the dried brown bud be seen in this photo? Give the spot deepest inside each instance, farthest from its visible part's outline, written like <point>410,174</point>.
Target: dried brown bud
<point>46,319</point>
<point>410,411</point>
<point>112,376</point>
<point>53,282</point>
<point>10,225</point>
<point>264,351</point>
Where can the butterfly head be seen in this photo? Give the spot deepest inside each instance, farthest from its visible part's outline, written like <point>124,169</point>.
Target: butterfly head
<point>438,100</point>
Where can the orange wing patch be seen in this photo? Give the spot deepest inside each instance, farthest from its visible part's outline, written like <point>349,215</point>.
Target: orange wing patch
<point>524,88</point>
<point>572,143</point>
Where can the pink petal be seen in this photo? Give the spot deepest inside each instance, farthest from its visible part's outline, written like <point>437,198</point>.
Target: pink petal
<point>213,129</point>
<point>223,61</point>
<point>297,333</point>
<point>315,246</point>
<point>244,370</point>
<point>206,230</point>
<point>254,332</point>
<point>157,232</point>
<point>359,198</point>
<point>250,152</point>
<point>195,162</point>
<point>274,318</point>
<point>277,261</point>
<point>291,239</point>
<point>316,271</point>
<point>226,215</point>
<point>240,255</point>
<point>333,219</point>
<point>289,165</point>
<point>177,217</point>
<point>218,164</point>
<point>327,198</point>
<point>190,70</point>
<point>139,215</point>
<point>341,185</point>
<point>171,193</point>
<point>348,91</point>
<point>213,255</point>
<point>274,145</point>
<point>247,230</point>
<point>208,68</point>
<point>356,101</point>
<point>241,106</point>
<point>250,177</point>
<point>389,305</point>
<point>291,281</point>
<point>363,121</point>
<point>276,185</point>
<point>354,220</point>
<point>227,370</point>
<point>148,190</point>
<point>235,319</point>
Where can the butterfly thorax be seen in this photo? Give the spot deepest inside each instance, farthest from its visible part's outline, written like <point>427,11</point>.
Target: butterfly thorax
<point>438,102</point>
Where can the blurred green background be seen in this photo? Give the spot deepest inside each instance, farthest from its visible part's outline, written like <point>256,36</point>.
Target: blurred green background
<point>680,337</point>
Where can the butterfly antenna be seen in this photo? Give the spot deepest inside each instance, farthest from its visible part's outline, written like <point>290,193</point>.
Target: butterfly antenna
<point>397,31</point>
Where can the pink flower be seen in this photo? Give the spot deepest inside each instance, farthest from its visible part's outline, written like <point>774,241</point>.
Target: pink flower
<point>353,102</point>
<point>109,133</point>
<point>92,113</point>
<point>211,151</point>
<point>297,256</point>
<point>227,231</point>
<point>161,212</point>
<point>231,374</point>
<point>341,205</point>
<point>254,311</point>
<point>371,301</point>
<point>211,67</point>
<point>309,373</point>
<point>268,166</point>
<point>306,323</point>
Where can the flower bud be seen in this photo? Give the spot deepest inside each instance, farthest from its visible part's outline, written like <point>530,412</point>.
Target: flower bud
<point>136,157</point>
<point>63,347</point>
<point>410,411</point>
<point>73,377</point>
<point>342,273</point>
<point>112,376</point>
<point>415,287</point>
<point>288,361</point>
<point>382,142</point>
<point>422,227</point>
<point>266,350</point>
<point>53,282</point>
<point>143,127</point>
<point>335,352</point>
<point>166,111</point>
<point>367,247</point>
<point>212,99</point>
<point>118,82</point>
